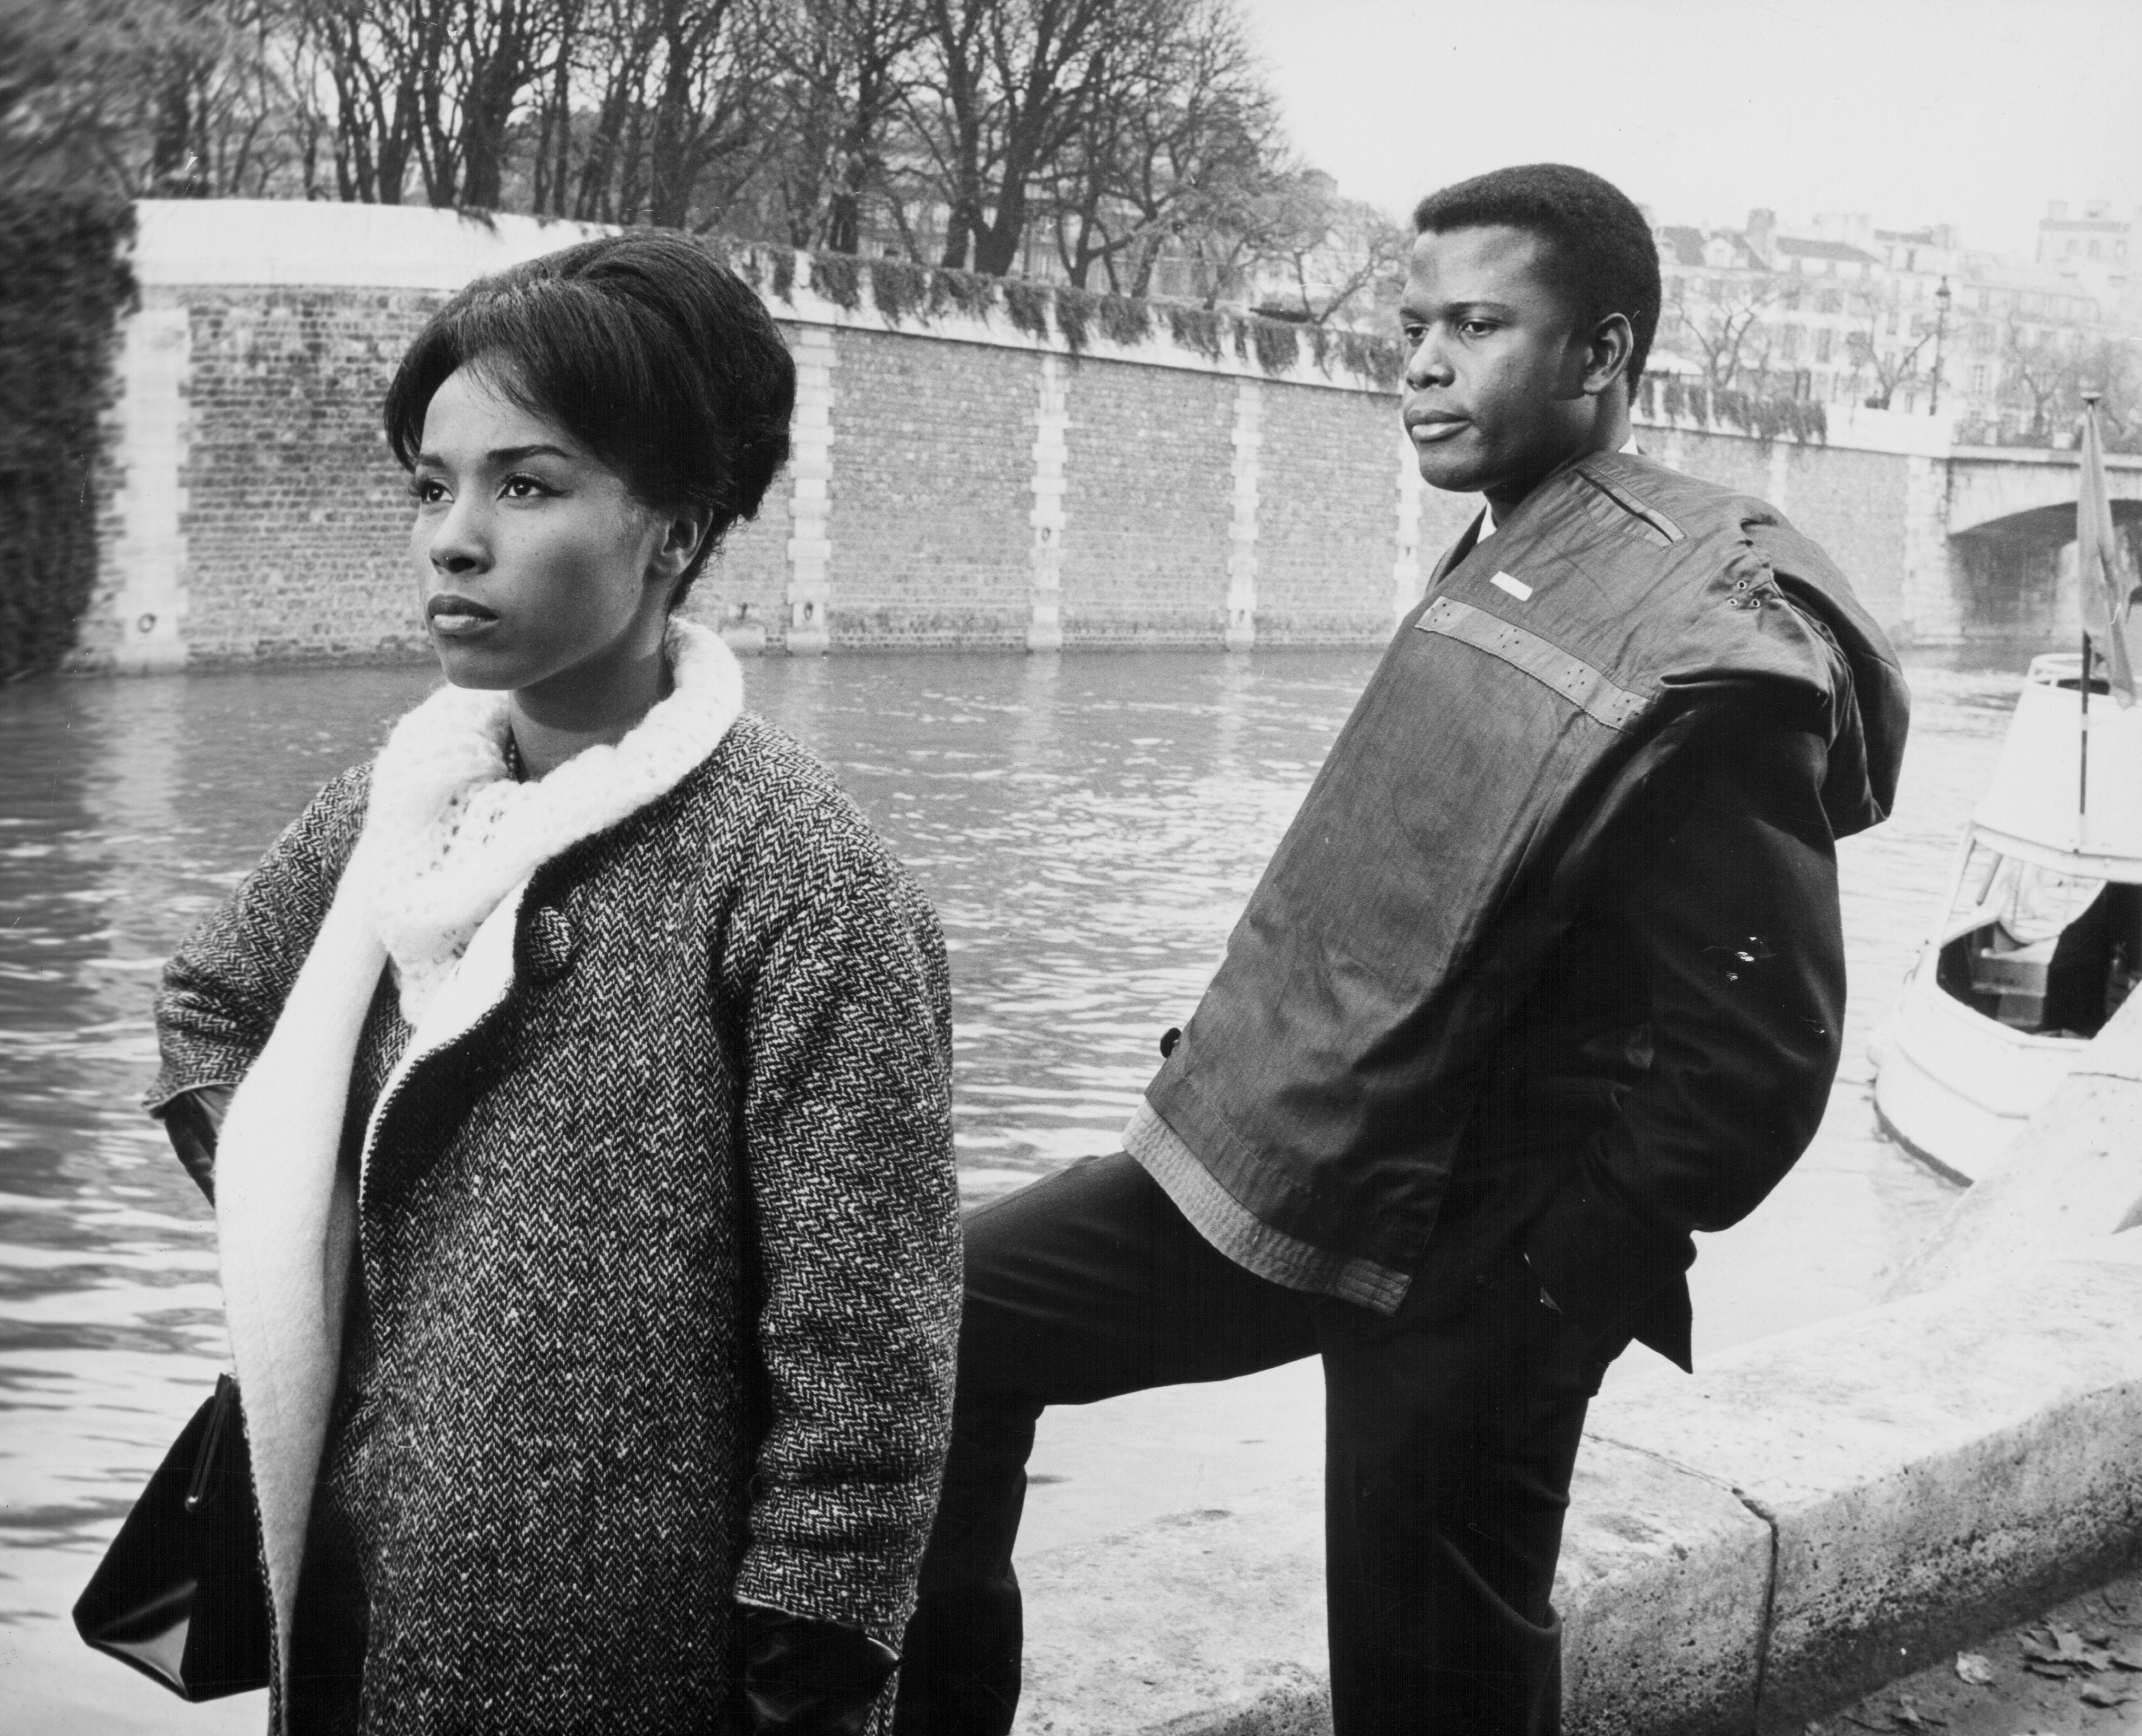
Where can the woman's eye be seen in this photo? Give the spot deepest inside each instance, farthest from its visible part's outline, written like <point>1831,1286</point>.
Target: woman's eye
<point>427,491</point>
<point>523,488</point>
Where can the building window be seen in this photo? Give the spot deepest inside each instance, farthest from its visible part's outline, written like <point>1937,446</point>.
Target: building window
<point>1978,377</point>
<point>2094,254</point>
<point>1822,343</point>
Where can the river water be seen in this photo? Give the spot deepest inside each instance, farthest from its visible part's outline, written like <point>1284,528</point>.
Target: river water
<point>1088,827</point>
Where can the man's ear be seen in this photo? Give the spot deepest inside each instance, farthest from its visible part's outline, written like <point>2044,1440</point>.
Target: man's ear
<point>1607,353</point>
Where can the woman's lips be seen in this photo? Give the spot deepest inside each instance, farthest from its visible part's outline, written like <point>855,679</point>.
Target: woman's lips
<point>455,617</point>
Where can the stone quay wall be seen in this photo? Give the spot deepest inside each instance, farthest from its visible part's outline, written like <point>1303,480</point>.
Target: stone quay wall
<point>960,484</point>
<point>956,483</point>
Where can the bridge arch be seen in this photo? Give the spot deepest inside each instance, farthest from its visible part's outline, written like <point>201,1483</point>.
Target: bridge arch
<point>2015,573</point>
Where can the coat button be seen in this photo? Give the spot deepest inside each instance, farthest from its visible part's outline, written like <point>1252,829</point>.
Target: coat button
<point>548,944</point>
<point>1169,1038</point>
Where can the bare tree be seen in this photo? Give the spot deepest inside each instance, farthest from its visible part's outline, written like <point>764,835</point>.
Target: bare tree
<point>1136,135</point>
<point>648,110</point>
<point>1721,320</point>
<point>2032,374</point>
<point>2046,379</point>
<point>374,60</point>
<point>847,70</point>
<point>1003,85</point>
<point>1894,364</point>
<point>1328,257</point>
<point>145,97</point>
<point>1188,132</point>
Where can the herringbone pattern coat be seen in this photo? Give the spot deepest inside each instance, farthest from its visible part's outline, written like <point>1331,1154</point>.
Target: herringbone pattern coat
<point>659,1264</point>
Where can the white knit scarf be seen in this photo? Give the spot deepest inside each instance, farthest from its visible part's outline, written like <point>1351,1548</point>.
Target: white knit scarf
<point>448,846</point>
<point>449,833</point>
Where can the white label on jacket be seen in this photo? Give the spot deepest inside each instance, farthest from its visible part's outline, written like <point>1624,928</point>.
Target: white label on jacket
<point>1516,587</point>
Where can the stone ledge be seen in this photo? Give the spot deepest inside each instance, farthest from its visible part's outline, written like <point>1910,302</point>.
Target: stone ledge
<point>1813,1514</point>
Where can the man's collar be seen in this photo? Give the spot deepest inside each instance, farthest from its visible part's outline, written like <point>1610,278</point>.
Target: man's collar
<point>1487,512</point>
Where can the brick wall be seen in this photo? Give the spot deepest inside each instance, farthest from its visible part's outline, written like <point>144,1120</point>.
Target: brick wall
<point>297,517</point>
<point>280,529</point>
<point>932,491</point>
<point>964,484</point>
<point>1149,465</point>
<point>1328,501</point>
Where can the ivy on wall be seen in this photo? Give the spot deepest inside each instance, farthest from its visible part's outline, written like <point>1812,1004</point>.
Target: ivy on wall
<point>1764,416</point>
<point>902,291</point>
<point>64,283</point>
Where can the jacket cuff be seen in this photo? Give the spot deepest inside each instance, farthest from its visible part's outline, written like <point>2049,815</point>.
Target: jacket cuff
<point>1599,1261</point>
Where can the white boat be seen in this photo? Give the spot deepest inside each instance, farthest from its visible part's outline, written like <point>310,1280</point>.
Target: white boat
<point>2039,936</point>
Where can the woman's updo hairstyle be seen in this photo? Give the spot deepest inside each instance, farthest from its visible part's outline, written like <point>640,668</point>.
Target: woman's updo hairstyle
<point>641,345</point>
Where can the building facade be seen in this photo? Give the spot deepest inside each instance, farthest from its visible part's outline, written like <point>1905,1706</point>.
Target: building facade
<point>1840,311</point>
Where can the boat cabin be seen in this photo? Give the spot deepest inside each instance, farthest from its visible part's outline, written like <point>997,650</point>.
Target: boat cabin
<point>2040,940</point>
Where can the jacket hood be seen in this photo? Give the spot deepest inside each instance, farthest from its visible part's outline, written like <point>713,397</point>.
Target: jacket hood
<point>1869,704</point>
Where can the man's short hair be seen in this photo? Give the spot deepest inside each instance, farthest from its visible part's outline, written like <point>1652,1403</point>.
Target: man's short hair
<point>1599,255</point>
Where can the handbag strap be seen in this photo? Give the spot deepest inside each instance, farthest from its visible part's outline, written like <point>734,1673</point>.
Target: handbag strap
<point>202,1489</point>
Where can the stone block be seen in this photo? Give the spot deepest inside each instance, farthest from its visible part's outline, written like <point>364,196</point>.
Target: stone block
<point>1663,1585</point>
<point>1205,1622</point>
<point>1211,1622</point>
<point>1932,1468</point>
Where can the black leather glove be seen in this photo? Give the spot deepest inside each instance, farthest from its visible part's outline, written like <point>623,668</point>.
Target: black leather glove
<point>193,1119</point>
<point>803,1677</point>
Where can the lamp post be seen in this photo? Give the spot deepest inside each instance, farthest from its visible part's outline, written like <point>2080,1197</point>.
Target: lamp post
<point>1942,300</point>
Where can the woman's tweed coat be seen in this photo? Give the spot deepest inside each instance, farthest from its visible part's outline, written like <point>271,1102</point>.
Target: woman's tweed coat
<point>659,1265</point>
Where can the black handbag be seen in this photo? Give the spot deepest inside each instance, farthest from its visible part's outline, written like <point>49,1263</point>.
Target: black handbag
<point>180,1593</point>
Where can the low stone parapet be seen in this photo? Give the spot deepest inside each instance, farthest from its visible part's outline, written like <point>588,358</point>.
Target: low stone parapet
<point>1811,1515</point>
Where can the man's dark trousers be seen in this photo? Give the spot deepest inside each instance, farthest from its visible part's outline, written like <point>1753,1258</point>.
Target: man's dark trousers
<point>1451,1431</point>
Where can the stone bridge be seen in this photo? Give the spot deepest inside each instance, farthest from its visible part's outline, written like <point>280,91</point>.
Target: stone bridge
<point>1947,543</point>
<point>2008,519</point>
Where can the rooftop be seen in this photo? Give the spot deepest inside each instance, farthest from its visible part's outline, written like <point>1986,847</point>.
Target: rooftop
<point>1794,247</point>
<point>1686,243</point>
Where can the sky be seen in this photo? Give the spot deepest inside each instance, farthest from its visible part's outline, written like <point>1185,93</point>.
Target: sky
<point>1973,112</point>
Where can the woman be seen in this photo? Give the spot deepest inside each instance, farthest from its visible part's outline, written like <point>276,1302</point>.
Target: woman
<point>589,1225</point>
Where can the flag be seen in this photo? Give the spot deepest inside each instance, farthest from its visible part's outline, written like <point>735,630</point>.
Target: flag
<point>2109,594</point>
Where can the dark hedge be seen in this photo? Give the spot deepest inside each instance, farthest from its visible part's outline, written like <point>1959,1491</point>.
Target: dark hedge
<point>64,282</point>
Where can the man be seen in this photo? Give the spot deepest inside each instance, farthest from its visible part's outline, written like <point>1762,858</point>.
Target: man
<point>1547,973</point>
